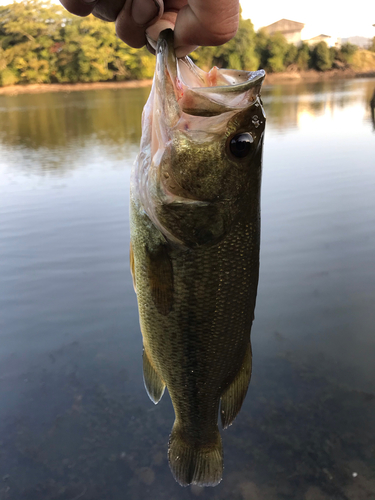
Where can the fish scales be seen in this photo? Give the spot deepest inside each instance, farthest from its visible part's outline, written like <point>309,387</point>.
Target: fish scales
<point>195,261</point>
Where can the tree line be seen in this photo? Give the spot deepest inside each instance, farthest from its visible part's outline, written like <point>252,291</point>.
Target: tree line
<point>41,42</point>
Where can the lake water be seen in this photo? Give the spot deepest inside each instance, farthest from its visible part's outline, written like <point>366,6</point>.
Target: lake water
<point>75,420</point>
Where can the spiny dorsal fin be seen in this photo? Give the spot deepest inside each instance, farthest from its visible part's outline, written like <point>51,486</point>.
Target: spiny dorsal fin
<point>160,275</point>
<point>153,382</point>
<point>234,395</point>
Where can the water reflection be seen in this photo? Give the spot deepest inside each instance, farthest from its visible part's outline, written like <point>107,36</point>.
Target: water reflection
<point>60,132</point>
<point>55,120</point>
<point>67,120</point>
<point>316,99</point>
<point>75,421</point>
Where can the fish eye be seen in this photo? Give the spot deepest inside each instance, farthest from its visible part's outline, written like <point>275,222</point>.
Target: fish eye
<point>241,145</point>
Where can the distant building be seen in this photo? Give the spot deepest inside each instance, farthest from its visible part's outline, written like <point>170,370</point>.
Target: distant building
<point>360,41</point>
<point>290,29</point>
<point>330,41</point>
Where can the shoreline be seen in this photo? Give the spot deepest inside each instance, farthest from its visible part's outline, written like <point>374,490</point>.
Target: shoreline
<point>39,88</point>
<point>316,76</point>
<point>271,79</point>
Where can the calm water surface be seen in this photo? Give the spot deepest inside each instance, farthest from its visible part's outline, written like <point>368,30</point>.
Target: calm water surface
<point>75,420</point>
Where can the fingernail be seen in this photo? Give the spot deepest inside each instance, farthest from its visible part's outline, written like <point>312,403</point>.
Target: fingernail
<point>153,31</point>
<point>150,48</point>
<point>150,44</point>
<point>89,1</point>
<point>143,12</point>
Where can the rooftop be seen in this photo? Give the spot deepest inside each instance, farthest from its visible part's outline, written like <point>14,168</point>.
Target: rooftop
<point>320,36</point>
<point>286,24</point>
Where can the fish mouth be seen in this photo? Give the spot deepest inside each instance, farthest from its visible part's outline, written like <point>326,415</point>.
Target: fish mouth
<point>188,108</point>
<point>189,100</point>
<point>200,93</point>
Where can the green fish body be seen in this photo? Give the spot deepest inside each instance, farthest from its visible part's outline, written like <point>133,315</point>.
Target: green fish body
<point>195,233</point>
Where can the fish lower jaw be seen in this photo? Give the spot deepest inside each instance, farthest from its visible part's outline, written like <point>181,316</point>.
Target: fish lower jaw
<point>169,197</point>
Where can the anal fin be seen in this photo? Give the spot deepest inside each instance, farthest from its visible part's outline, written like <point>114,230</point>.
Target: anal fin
<point>234,395</point>
<point>153,382</point>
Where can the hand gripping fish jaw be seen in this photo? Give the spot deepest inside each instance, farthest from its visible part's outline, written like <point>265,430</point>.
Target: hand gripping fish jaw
<point>195,231</point>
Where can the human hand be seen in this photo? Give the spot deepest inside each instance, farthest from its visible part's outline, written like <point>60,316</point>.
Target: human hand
<point>195,22</point>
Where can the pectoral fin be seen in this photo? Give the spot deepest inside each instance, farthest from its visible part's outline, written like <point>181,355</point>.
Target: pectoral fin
<point>160,275</point>
<point>234,395</point>
<point>153,383</point>
<point>132,268</point>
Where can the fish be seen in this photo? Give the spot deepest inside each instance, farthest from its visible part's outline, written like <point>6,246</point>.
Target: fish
<point>194,256</point>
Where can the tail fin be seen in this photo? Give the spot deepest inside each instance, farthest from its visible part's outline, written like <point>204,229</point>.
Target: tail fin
<point>194,464</point>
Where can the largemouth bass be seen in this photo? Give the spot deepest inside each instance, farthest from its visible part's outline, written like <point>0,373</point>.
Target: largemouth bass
<point>195,223</point>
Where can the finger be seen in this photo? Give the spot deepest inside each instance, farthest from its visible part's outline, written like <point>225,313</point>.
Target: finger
<point>108,10</point>
<point>168,20</point>
<point>79,7</point>
<point>134,18</point>
<point>208,22</point>
<point>145,12</point>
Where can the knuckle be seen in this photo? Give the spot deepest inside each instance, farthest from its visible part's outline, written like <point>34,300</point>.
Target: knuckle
<point>224,37</point>
<point>224,31</point>
<point>135,40</point>
<point>77,8</point>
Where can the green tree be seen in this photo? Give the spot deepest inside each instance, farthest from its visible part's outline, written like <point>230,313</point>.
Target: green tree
<point>27,34</point>
<point>321,57</point>
<point>41,42</point>
<point>303,59</point>
<point>87,52</point>
<point>346,52</point>
<point>262,42</point>
<point>291,55</point>
<point>130,63</point>
<point>278,49</point>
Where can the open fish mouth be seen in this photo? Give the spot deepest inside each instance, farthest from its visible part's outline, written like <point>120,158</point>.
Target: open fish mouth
<point>188,122</point>
<point>202,93</point>
<point>182,93</point>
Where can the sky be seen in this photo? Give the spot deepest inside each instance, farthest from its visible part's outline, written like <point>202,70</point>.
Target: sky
<point>336,18</point>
